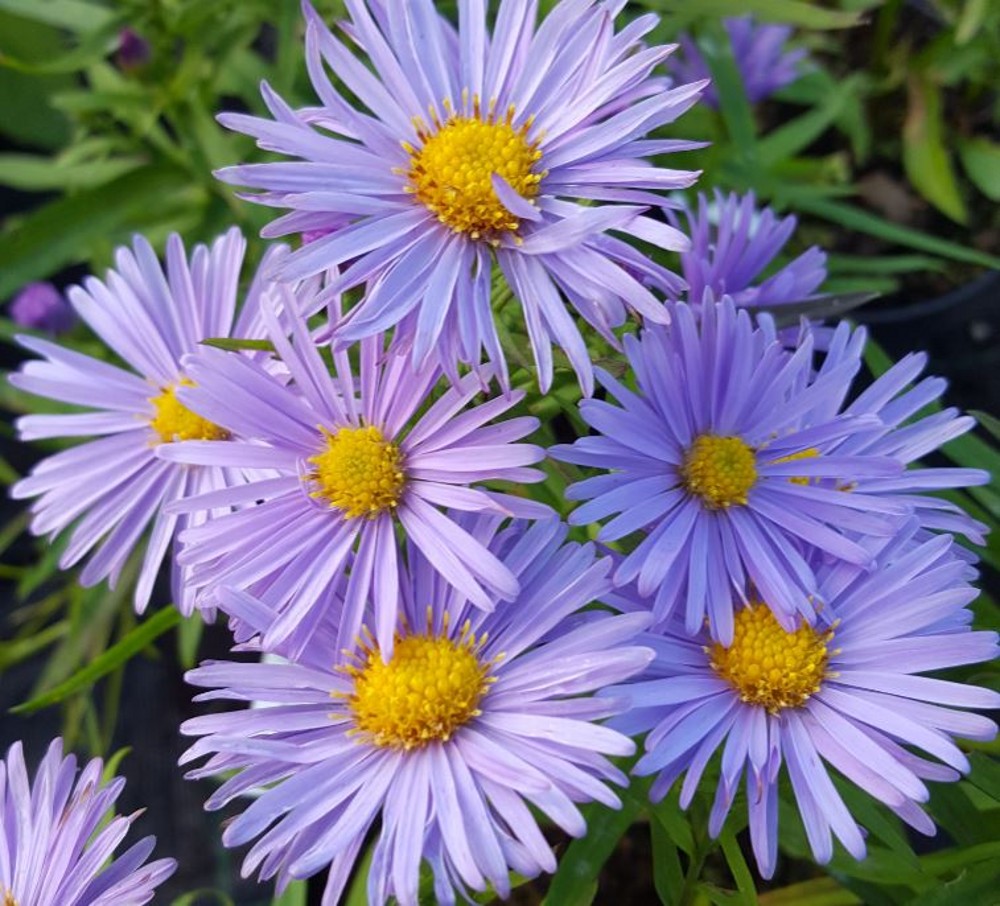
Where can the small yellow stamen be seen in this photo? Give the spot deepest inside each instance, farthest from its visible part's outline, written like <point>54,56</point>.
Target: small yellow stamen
<point>174,421</point>
<point>809,453</point>
<point>359,472</point>
<point>719,470</point>
<point>769,666</point>
<point>432,686</point>
<point>451,173</point>
<point>8,898</point>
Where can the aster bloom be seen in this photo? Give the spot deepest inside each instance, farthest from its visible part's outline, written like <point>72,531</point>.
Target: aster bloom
<point>727,457</point>
<point>352,460</point>
<point>468,148</point>
<point>42,307</point>
<point>476,716</point>
<point>764,64</point>
<point>733,242</point>
<point>114,488</point>
<point>57,844</point>
<point>845,692</point>
<point>896,400</point>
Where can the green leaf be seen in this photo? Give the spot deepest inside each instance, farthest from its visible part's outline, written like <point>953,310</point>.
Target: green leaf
<point>791,12</point>
<point>985,774</point>
<point>856,219</point>
<point>36,173</point>
<point>925,157</point>
<point>738,866</point>
<point>294,895</point>
<point>668,876</point>
<point>73,15</point>
<point>981,159</point>
<point>733,102</point>
<point>973,885</point>
<point>197,898</point>
<point>796,135</point>
<point>990,422</point>
<point>60,233</point>
<point>125,648</point>
<point>817,892</point>
<point>234,344</point>
<point>575,881</point>
<point>189,635</point>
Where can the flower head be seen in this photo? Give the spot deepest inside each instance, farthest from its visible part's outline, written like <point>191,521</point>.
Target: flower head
<point>760,55</point>
<point>114,488</point>
<point>352,456</point>
<point>466,147</point>
<point>57,844</point>
<point>42,307</point>
<point>475,716</point>
<point>733,242</point>
<point>844,692</point>
<point>728,458</point>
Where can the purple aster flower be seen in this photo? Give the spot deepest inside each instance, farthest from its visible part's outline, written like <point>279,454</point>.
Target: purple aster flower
<point>466,148</point>
<point>57,844</point>
<point>114,488</point>
<point>733,241</point>
<point>897,402</point>
<point>42,307</point>
<point>760,55</point>
<point>354,456</point>
<point>844,692</point>
<point>444,746</point>
<point>727,457</point>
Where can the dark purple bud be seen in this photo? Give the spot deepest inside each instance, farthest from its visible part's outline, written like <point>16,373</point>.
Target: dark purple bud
<point>133,50</point>
<point>43,307</point>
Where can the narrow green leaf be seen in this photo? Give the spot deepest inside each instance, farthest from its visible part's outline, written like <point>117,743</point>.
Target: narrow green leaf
<point>357,893</point>
<point>981,159</point>
<point>823,891</point>
<point>294,895</point>
<point>925,156</point>
<point>73,15</point>
<point>18,650</point>
<point>197,898</point>
<point>189,635</point>
<point>668,876</point>
<point>234,344</point>
<point>856,219</point>
<point>738,866</point>
<point>125,648</point>
<point>575,879</point>
<point>790,12</point>
<point>985,774</point>
<point>36,173</point>
<point>733,100</point>
<point>973,885</point>
<point>990,422</point>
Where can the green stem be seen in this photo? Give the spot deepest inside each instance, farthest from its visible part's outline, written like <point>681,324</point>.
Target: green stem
<point>702,847</point>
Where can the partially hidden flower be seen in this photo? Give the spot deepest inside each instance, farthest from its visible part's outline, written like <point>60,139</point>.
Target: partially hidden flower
<point>733,242</point>
<point>762,59</point>
<point>111,490</point>
<point>57,841</point>
<point>727,460</point>
<point>524,146</point>
<point>353,456</point>
<point>42,307</point>
<point>442,749</point>
<point>845,692</point>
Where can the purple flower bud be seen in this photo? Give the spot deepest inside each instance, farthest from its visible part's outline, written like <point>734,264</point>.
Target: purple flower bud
<point>133,50</point>
<point>43,307</point>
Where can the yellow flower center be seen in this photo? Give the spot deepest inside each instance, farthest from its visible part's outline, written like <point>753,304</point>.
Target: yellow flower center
<point>174,421</point>
<point>769,666</point>
<point>719,470</point>
<point>809,453</point>
<point>451,173</point>
<point>8,898</point>
<point>430,688</point>
<point>359,472</point>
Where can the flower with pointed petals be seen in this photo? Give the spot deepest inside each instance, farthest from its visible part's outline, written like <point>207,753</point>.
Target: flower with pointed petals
<point>733,242</point>
<point>477,715</point>
<point>114,488</point>
<point>57,844</point>
<point>760,56</point>
<point>466,147</point>
<point>352,461</point>
<point>727,456</point>
<point>844,692</point>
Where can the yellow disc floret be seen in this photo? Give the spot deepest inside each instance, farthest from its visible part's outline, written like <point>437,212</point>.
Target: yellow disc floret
<point>8,898</point>
<point>431,686</point>
<point>809,453</point>
<point>451,172</point>
<point>174,421</point>
<point>769,666</point>
<point>359,472</point>
<point>719,470</point>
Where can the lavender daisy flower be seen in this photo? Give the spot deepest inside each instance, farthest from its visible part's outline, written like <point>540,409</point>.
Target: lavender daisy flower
<point>720,458</point>
<point>57,844</point>
<point>114,488</point>
<point>41,306</point>
<point>352,460</point>
<point>896,400</point>
<point>844,692</point>
<point>476,716</point>
<point>760,55</point>
<point>467,148</point>
<point>733,241</point>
